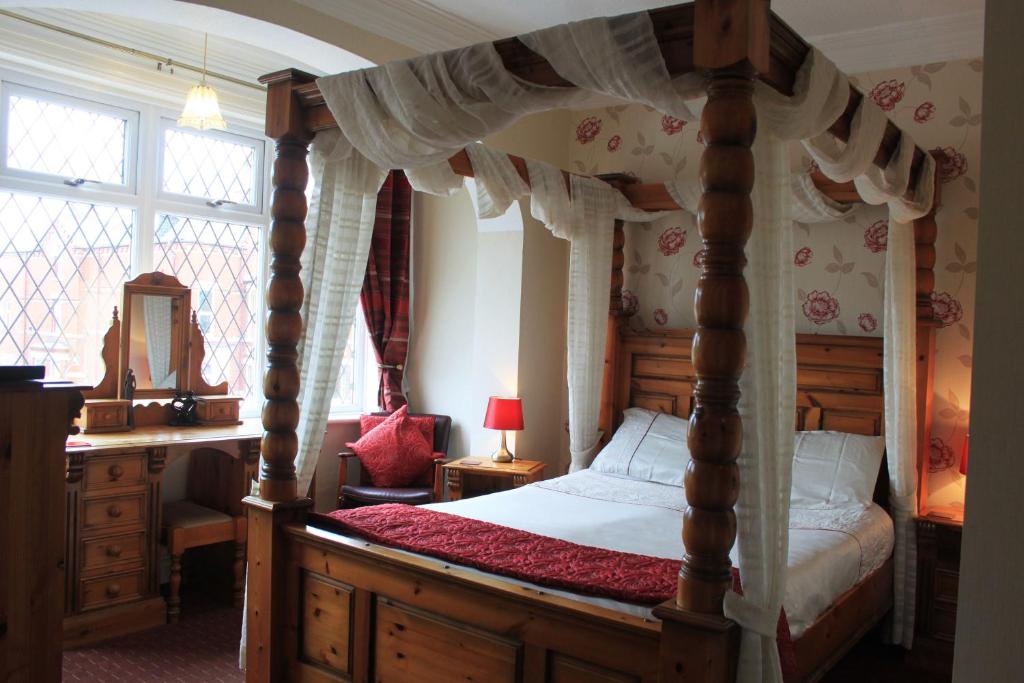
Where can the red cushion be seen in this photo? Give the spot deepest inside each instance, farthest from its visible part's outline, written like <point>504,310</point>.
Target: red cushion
<point>395,453</point>
<point>425,423</point>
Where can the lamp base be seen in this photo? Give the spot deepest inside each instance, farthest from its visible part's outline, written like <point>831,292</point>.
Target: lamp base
<point>503,454</point>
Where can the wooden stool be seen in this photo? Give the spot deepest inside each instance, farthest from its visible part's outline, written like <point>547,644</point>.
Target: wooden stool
<point>189,525</point>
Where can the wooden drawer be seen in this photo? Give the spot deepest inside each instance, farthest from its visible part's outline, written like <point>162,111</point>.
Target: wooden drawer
<point>213,410</point>
<point>112,590</point>
<point>947,583</point>
<point>114,511</point>
<point>105,415</point>
<point>100,553</point>
<point>115,472</point>
<point>943,621</point>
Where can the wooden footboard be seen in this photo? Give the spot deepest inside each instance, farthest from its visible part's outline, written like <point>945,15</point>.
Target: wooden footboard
<point>360,612</point>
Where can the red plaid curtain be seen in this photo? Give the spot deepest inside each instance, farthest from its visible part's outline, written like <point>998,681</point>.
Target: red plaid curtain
<point>385,295</point>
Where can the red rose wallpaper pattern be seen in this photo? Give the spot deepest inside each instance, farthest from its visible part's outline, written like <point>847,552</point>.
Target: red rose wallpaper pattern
<point>671,241</point>
<point>841,275</point>
<point>670,125</point>
<point>588,129</point>
<point>887,94</point>
<point>876,236</point>
<point>821,307</point>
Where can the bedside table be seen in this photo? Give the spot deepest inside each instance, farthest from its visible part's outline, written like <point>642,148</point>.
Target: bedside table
<point>938,572</point>
<point>470,477</point>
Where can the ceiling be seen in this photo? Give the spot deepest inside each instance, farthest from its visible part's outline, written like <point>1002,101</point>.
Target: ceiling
<point>30,49</point>
<point>859,35</point>
<point>228,56</point>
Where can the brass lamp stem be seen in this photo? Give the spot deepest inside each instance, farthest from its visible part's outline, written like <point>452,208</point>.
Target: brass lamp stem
<point>503,454</point>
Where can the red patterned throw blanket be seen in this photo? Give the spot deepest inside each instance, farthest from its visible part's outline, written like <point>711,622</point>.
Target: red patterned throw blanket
<point>526,556</point>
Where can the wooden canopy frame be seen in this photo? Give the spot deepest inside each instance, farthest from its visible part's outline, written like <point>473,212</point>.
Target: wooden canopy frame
<point>732,42</point>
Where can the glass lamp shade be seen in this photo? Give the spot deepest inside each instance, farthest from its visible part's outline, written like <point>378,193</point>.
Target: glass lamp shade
<point>202,110</point>
<point>504,413</point>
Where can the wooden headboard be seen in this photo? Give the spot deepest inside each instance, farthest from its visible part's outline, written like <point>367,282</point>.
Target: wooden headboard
<point>839,381</point>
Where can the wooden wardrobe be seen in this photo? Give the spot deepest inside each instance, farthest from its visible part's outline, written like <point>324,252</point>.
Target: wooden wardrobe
<point>35,420</point>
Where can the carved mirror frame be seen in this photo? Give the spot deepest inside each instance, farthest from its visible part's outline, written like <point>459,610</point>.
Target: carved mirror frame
<point>158,284</point>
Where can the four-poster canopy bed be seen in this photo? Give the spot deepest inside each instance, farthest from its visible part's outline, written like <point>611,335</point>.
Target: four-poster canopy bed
<point>325,607</point>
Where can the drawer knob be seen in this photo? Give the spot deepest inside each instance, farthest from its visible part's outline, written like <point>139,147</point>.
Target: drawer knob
<point>114,510</point>
<point>113,590</point>
<point>115,472</point>
<point>114,550</point>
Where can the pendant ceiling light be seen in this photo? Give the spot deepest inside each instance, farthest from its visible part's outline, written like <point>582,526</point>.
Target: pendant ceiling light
<point>202,110</point>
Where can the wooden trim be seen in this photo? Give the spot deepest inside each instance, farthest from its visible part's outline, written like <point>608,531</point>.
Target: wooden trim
<point>196,353</point>
<point>107,387</point>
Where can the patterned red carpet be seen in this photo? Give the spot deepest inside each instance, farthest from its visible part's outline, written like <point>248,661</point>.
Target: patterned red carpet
<point>201,648</point>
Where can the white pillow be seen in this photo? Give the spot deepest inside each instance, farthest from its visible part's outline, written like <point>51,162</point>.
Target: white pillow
<point>649,446</point>
<point>835,469</point>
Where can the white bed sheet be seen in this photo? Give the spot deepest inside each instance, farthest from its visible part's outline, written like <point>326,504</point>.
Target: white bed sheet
<point>830,550</point>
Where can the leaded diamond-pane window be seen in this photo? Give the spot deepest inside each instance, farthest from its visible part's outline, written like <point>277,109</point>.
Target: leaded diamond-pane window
<point>66,138</point>
<point>61,268</point>
<point>345,390</point>
<point>220,261</point>
<point>211,167</point>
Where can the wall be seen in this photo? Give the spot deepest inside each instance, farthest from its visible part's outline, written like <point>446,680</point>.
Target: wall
<point>840,266</point>
<point>489,310</point>
<point>991,605</point>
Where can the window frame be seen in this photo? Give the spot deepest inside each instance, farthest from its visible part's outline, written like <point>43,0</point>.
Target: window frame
<point>76,100</point>
<point>237,135</point>
<point>143,194</point>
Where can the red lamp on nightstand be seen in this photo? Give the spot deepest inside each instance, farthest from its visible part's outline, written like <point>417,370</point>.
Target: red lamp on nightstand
<point>963,458</point>
<point>504,414</point>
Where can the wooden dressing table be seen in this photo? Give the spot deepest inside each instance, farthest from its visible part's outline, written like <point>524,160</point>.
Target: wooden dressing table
<point>114,506</point>
<point>153,357</point>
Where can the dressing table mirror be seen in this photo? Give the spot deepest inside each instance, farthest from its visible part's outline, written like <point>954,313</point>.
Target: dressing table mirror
<point>152,353</point>
<point>154,336</point>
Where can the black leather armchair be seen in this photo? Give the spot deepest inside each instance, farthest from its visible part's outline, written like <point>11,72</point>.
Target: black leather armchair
<point>362,492</point>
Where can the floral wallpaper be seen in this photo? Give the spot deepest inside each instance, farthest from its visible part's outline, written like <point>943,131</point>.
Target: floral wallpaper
<point>839,266</point>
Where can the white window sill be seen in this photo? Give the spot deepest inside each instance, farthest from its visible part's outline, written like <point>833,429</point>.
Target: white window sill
<point>343,418</point>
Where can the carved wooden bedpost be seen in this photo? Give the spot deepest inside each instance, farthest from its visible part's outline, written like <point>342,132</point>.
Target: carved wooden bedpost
<point>925,233</point>
<point>731,41</point>
<point>278,502</point>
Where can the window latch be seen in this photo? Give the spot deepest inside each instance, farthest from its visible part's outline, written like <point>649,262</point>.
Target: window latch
<point>217,203</point>
<point>78,182</point>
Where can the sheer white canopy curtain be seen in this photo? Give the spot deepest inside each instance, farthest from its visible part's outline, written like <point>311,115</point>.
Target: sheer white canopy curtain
<point>416,114</point>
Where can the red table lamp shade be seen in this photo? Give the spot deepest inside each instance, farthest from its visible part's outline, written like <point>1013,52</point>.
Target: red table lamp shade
<point>963,458</point>
<point>504,413</point>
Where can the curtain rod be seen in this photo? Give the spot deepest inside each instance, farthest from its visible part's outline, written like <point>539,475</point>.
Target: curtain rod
<point>130,50</point>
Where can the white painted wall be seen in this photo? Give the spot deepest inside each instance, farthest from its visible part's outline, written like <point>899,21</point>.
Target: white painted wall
<point>990,620</point>
<point>440,366</point>
<point>489,311</point>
